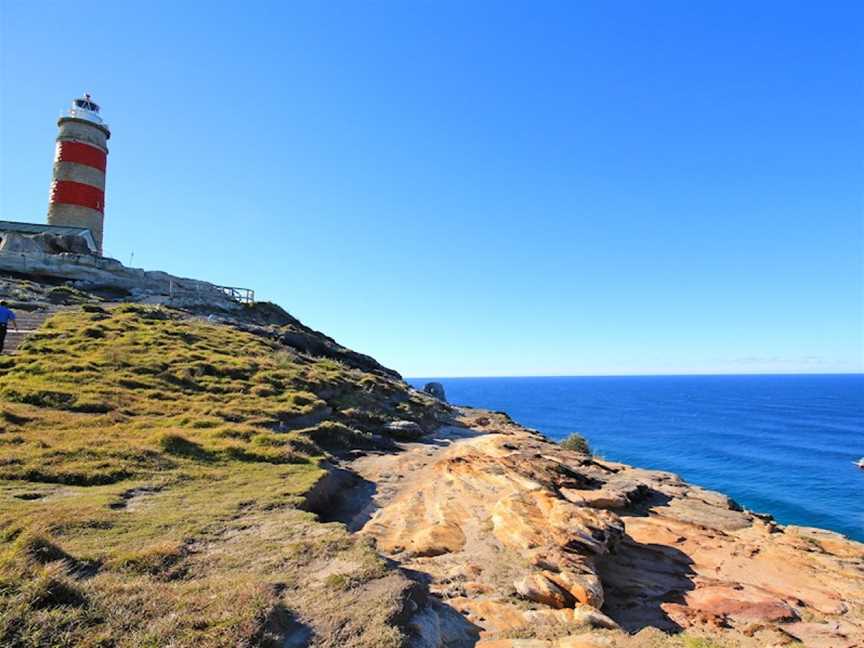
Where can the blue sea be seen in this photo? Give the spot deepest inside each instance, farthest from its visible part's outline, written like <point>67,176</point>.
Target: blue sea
<point>783,445</point>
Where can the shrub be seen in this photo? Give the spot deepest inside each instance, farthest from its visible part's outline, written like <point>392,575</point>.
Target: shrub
<point>576,443</point>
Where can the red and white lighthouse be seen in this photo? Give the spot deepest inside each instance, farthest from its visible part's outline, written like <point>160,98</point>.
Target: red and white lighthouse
<point>78,187</point>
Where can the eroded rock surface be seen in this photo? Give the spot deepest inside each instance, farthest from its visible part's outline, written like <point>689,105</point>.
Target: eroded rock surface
<point>435,389</point>
<point>522,543</point>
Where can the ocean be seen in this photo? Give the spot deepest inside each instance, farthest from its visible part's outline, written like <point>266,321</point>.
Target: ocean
<point>783,445</point>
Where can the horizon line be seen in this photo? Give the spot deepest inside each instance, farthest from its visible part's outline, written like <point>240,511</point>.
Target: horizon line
<point>647,375</point>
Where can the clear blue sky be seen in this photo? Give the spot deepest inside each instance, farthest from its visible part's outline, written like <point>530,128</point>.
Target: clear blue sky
<point>479,188</point>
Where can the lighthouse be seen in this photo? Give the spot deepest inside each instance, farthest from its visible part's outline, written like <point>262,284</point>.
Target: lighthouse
<point>78,186</point>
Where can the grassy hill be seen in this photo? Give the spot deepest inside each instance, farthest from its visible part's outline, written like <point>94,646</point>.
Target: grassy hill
<point>155,469</point>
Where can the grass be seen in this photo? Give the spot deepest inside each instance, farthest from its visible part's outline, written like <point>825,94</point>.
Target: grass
<point>152,473</point>
<point>700,642</point>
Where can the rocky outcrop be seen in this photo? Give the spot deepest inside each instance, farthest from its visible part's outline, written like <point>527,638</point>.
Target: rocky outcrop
<point>436,389</point>
<point>526,540</point>
<point>314,343</point>
<point>43,243</point>
<point>94,273</point>
<point>403,429</point>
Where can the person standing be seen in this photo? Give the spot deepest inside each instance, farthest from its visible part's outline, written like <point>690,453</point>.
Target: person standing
<point>6,316</point>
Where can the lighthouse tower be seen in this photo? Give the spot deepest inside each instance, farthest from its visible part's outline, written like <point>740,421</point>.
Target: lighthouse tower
<point>78,187</point>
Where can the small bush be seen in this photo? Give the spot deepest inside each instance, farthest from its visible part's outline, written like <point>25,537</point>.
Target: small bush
<point>576,443</point>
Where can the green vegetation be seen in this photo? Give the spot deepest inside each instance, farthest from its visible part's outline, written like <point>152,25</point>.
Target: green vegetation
<point>152,477</point>
<point>577,443</point>
<point>67,295</point>
<point>700,642</point>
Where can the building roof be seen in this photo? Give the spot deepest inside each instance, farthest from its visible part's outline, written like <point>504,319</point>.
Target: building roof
<point>41,228</point>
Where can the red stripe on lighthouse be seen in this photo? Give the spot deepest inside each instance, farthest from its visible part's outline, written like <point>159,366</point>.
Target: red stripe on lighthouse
<point>82,154</point>
<point>76,193</point>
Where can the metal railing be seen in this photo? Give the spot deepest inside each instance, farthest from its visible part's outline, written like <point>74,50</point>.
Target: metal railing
<point>242,295</point>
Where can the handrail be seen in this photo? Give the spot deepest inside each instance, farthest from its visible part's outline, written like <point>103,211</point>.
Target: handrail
<point>242,295</point>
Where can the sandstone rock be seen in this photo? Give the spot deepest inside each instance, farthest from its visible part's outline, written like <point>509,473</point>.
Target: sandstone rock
<point>435,389</point>
<point>694,509</point>
<point>584,640</point>
<point>585,587</point>
<point>603,498</point>
<point>499,508</point>
<point>540,589</point>
<point>442,538</point>
<point>526,520</point>
<point>739,602</point>
<point>581,615</point>
<point>492,614</point>
<point>834,634</point>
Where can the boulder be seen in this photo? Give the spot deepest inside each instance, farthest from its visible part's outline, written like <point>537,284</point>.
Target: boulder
<point>403,429</point>
<point>538,588</point>
<point>437,390</point>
